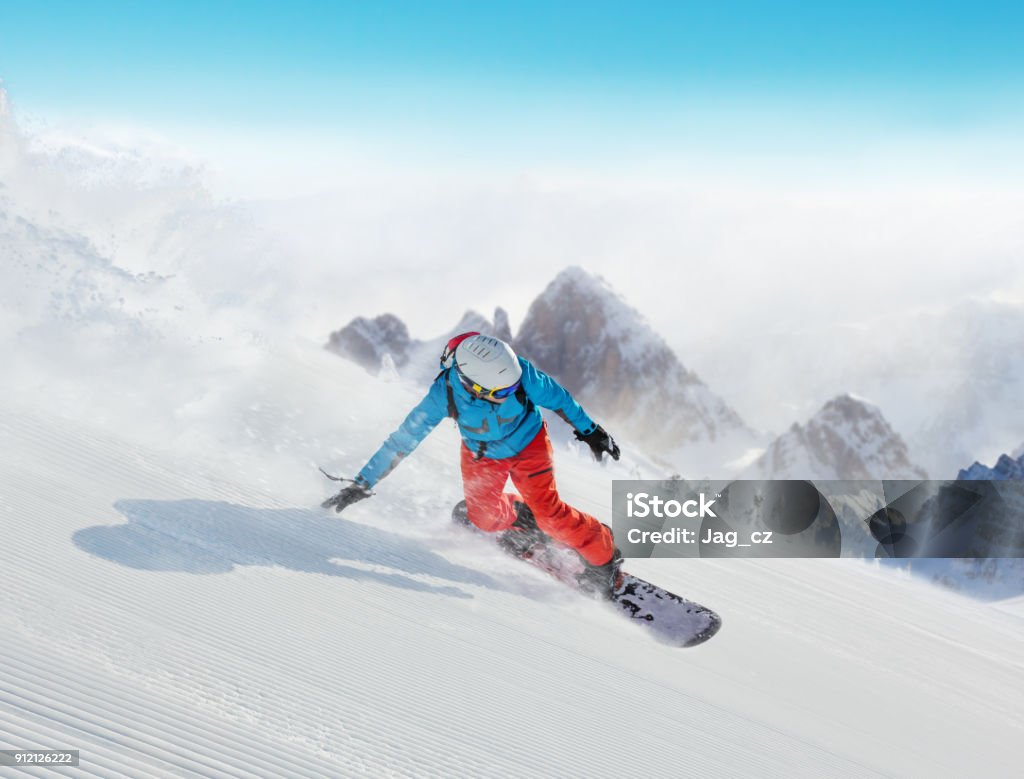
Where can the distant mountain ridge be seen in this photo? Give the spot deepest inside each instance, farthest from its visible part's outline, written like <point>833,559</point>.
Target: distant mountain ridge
<point>1006,468</point>
<point>602,350</point>
<point>997,570</point>
<point>848,438</point>
<point>371,342</point>
<point>949,378</point>
<point>583,333</point>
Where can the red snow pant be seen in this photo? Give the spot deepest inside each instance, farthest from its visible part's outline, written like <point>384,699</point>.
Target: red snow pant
<point>490,508</point>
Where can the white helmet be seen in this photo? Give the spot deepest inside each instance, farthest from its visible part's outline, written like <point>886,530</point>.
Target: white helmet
<point>488,362</point>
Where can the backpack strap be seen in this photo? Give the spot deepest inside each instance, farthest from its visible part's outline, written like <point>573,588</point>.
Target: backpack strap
<point>453,411</point>
<point>523,398</point>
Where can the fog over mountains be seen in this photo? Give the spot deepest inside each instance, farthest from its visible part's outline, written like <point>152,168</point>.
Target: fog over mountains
<point>604,351</point>
<point>130,244</point>
<point>369,342</point>
<point>601,349</point>
<point>847,439</point>
<point>949,378</point>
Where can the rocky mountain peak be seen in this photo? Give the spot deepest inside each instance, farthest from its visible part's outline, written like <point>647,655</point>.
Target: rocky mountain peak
<point>1007,467</point>
<point>848,438</point>
<point>383,343</point>
<point>502,327</point>
<point>574,279</point>
<point>582,331</point>
<point>604,351</point>
<point>367,341</point>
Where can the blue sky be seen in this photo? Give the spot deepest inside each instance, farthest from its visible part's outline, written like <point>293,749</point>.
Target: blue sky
<point>459,71</point>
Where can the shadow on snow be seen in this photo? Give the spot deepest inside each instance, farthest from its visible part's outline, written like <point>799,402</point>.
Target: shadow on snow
<point>203,537</point>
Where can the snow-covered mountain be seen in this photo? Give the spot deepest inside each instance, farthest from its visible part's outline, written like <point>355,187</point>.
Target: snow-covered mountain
<point>128,236</point>
<point>62,267</point>
<point>604,351</point>
<point>600,348</point>
<point>370,342</point>
<point>848,438</point>
<point>1002,534</point>
<point>1006,467</point>
<point>949,378</point>
<point>1000,574</point>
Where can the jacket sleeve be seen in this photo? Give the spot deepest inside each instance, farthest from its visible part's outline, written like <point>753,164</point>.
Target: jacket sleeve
<point>545,391</point>
<point>420,421</point>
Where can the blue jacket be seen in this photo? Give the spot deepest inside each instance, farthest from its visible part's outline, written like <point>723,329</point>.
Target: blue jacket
<point>503,429</point>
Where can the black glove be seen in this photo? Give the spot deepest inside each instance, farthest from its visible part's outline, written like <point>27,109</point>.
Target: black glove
<point>348,496</point>
<point>599,442</point>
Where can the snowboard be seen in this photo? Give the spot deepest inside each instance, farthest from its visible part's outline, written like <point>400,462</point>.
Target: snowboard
<point>667,617</point>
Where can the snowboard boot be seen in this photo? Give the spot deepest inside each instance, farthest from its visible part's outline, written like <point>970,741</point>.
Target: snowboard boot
<point>520,539</point>
<point>601,581</point>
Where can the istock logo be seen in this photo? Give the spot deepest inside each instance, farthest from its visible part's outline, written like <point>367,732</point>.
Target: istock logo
<point>641,504</point>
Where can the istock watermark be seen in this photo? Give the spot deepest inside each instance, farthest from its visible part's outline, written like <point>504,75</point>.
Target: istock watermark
<point>642,504</point>
<point>896,519</point>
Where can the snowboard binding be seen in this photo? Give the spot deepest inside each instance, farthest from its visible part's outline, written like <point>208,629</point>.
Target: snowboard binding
<point>523,539</point>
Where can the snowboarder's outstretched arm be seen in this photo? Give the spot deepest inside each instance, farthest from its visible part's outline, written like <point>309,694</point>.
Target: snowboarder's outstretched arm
<point>548,393</point>
<point>419,422</point>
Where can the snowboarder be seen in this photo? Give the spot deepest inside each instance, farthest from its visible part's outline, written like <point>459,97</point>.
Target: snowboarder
<point>493,395</point>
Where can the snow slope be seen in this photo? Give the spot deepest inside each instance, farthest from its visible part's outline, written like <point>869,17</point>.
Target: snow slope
<point>175,605</point>
<point>173,602</point>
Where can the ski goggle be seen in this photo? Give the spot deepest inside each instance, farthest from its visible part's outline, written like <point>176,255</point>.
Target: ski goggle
<point>496,394</point>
